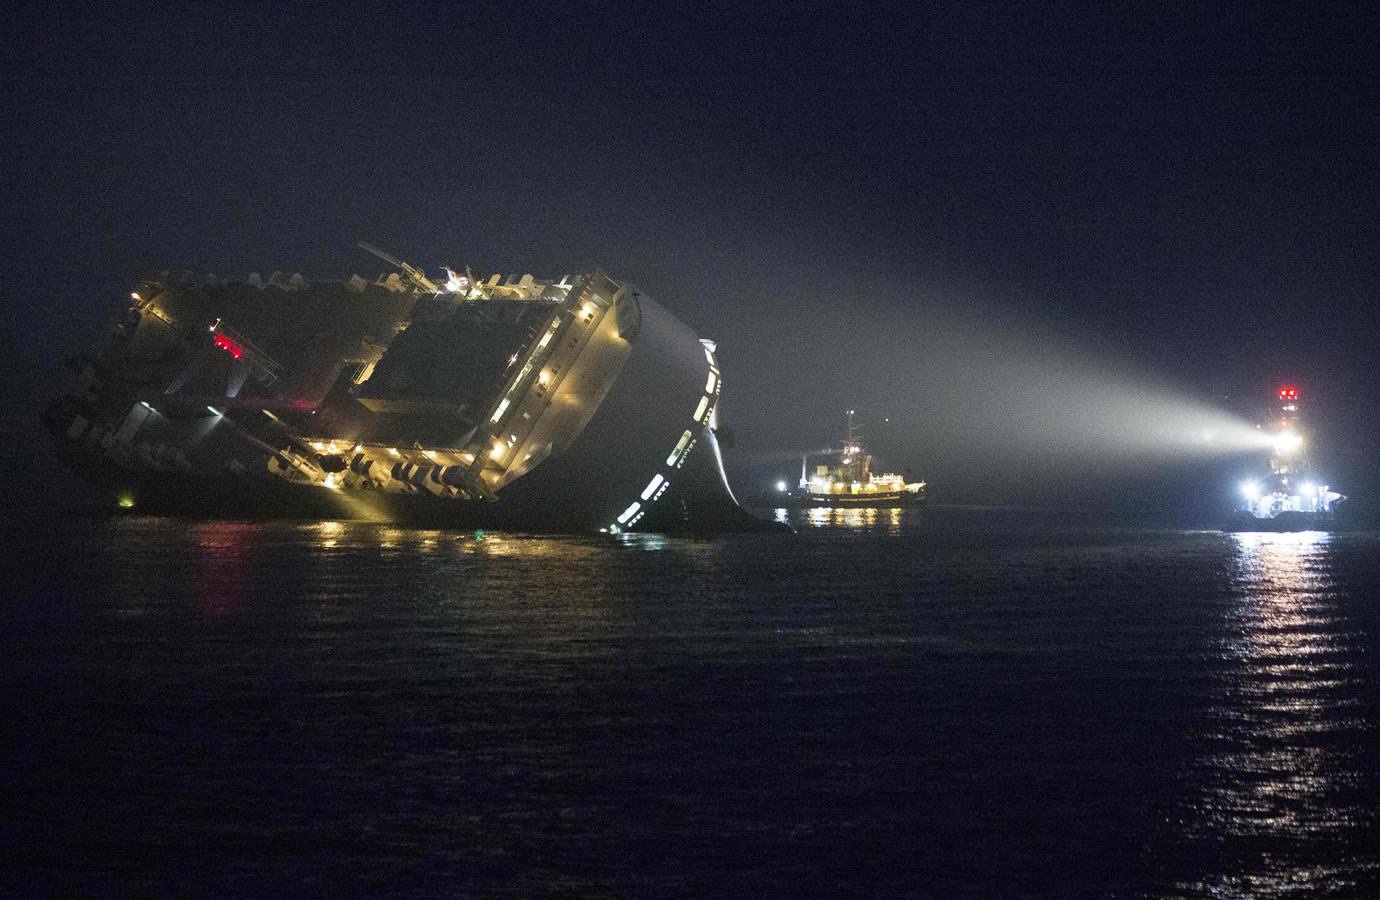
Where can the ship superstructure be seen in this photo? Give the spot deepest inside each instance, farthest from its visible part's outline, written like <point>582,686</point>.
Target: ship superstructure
<point>570,403</point>
<point>850,481</point>
<point>1291,492</point>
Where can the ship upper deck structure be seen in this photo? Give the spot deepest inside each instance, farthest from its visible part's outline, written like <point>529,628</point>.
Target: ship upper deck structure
<point>576,402</point>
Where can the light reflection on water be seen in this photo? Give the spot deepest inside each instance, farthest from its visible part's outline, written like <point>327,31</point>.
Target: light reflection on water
<point>223,551</point>
<point>1277,775</point>
<point>642,541</point>
<point>840,517</point>
<point>967,703</point>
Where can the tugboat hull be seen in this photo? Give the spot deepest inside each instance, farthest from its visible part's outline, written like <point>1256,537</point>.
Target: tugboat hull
<point>886,501</point>
<point>1285,521</point>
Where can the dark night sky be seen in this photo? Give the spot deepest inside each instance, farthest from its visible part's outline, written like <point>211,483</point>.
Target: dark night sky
<point>903,210</point>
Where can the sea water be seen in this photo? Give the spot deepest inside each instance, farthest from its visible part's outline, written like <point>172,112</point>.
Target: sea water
<point>899,702</point>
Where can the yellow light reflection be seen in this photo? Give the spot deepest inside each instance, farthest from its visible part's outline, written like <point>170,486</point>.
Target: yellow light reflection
<point>845,517</point>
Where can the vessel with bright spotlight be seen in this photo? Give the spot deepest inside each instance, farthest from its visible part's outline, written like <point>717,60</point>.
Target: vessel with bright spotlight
<point>1288,494</point>
<point>577,403</point>
<point>843,476</point>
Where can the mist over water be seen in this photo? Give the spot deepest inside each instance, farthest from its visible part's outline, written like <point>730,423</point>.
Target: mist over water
<point>986,405</point>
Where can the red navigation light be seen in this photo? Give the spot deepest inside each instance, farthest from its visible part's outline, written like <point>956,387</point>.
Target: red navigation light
<point>236,349</point>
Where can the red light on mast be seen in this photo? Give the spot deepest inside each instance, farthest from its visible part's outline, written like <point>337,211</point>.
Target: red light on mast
<point>229,345</point>
<point>1288,393</point>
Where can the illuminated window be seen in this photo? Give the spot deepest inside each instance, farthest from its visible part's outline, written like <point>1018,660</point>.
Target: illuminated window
<point>498,413</point>
<point>629,512</point>
<point>499,449</point>
<point>699,410</point>
<point>709,384</point>
<point>680,448</point>
<point>652,486</point>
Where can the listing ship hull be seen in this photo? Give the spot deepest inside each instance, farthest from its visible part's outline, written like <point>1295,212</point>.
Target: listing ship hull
<point>578,405</point>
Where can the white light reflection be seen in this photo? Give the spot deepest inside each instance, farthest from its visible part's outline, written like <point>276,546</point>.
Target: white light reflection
<point>1276,779</point>
<point>643,540</point>
<point>329,534</point>
<point>888,519</point>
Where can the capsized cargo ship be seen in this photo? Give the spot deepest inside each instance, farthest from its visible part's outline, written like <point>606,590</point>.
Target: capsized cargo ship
<point>571,404</point>
<point>1290,496</point>
<point>851,481</point>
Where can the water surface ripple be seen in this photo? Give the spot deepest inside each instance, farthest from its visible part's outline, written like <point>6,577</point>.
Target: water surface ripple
<point>928,702</point>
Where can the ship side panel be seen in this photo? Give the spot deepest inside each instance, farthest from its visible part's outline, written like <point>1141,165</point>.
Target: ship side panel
<point>621,460</point>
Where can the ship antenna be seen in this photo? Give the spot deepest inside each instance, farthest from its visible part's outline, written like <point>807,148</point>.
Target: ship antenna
<point>850,433</point>
<point>417,276</point>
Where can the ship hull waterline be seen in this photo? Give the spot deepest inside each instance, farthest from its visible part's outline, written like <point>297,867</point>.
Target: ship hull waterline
<point>193,496</point>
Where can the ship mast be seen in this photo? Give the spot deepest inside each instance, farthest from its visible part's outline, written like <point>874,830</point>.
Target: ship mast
<point>1289,450</point>
<point>857,463</point>
<point>417,276</point>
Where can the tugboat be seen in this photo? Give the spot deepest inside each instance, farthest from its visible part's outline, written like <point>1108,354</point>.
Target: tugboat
<point>1290,497</point>
<point>851,482</point>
